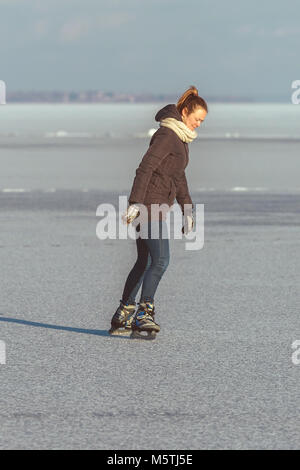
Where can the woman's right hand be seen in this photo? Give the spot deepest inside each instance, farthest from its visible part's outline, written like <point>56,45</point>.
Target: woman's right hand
<point>188,225</point>
<point>131,213</point>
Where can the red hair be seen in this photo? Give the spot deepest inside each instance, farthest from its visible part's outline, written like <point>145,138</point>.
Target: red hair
<point>191,100</point>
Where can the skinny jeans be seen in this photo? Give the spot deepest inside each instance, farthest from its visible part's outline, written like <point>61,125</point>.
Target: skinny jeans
<point>153,256</point>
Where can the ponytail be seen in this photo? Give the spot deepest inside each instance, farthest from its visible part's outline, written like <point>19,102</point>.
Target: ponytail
<point>191,100</point>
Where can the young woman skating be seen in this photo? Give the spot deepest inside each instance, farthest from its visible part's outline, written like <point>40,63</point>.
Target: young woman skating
<point>160,178</point>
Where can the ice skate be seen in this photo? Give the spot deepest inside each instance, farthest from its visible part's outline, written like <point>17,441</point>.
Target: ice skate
<point>143,325</point>
<point>121,320</point>
<point>128,324</point>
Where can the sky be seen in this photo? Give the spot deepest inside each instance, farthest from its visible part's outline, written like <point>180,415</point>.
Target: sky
<point>225,48</point>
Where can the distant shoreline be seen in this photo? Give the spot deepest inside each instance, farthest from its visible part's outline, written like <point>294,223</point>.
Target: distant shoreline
<point>71,97</point>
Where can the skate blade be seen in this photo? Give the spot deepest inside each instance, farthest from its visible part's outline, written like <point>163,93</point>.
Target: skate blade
<point>120,332</point>
<point>148,335</point>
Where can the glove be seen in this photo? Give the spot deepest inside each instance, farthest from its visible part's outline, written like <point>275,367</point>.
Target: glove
<point>131,213</point>
<point>188,224</point>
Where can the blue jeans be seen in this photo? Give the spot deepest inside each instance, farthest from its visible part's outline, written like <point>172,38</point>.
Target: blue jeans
<point>152,261</point>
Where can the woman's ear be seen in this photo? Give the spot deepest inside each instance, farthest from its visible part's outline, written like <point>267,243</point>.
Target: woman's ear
<point>184,113</point>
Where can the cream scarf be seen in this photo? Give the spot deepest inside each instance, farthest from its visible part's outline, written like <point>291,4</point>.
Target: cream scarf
<point>183,132</point>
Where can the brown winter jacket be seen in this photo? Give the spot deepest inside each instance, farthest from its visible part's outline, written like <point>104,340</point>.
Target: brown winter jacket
<point>160,176</point>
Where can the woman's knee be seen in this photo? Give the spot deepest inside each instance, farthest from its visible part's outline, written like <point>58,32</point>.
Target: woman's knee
<point>162,263</point>
<point>142,264</point>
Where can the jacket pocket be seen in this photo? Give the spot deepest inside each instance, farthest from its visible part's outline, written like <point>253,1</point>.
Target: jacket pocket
<point>155,180</point>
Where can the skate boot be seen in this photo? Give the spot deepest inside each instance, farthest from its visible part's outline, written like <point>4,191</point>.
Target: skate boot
<point>119,321</point>
<point>143,325</point>
<point>128,324</point>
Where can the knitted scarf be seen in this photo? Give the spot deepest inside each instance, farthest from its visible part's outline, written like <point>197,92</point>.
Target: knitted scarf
<point>183,132</point>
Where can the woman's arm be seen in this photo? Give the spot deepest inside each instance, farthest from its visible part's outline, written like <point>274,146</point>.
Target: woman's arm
<point>159,148</point>
<point>182,193</point>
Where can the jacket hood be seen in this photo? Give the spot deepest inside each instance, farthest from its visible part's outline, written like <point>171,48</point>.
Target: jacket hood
<point>168,111</point>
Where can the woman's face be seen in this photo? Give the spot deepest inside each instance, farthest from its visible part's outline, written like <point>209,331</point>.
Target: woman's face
<point>194,119</point>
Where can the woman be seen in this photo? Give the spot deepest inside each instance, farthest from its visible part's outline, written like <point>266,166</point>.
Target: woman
<point>159,178</point>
